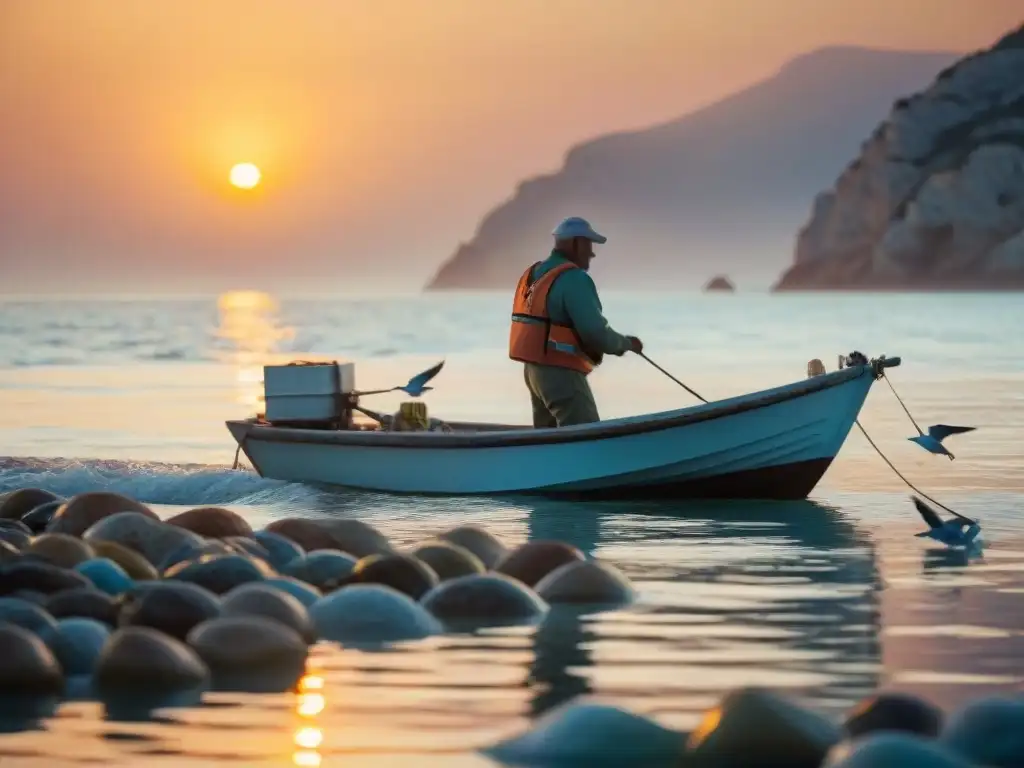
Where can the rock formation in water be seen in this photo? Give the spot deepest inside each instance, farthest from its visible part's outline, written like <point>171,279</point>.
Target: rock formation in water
<point>722,188</point>
<point>719,283</point>
<point>935,200</point>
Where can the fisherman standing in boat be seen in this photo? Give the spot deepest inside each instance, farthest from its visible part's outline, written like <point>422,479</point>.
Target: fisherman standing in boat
<point>559,331</point>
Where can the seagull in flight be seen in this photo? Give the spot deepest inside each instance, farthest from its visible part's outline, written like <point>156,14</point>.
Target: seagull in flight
<point>932,442</point>
<point>417,384</point>
<point>959,532</point>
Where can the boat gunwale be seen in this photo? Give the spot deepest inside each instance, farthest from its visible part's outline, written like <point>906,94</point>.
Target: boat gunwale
<point>528,436</point>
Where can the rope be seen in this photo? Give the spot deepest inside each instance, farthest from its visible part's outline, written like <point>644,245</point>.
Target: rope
<point>893,467</point>
<point>677,381</point>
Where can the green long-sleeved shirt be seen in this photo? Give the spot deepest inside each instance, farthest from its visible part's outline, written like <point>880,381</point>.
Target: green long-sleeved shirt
<point>573,301</point>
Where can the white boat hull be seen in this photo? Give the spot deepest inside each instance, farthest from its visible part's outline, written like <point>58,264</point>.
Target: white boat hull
<point>774,444</point>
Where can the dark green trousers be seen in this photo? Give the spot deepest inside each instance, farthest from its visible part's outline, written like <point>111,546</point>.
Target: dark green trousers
<point>559,397</point>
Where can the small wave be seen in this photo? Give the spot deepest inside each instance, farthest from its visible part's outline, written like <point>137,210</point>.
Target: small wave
<point>150,482</point>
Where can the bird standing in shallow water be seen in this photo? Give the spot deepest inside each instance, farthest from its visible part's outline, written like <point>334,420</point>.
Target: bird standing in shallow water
<point>932,442</point>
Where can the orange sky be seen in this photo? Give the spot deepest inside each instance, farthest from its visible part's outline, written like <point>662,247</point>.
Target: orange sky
<point>384,129</point>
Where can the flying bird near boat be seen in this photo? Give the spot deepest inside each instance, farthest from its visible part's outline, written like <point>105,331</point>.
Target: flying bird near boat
<point>932,442</point>
<point>417,384</point>
<point>958,532</point>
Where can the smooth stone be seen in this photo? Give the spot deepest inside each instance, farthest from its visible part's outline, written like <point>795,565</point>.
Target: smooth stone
<point>486,546</point>
<point>38,576</point>
<point>271,603</point>
<point>27,665</point>
<point>281,550</point>
<point>249,645</point>
<point>15,525</point>
<point>754,727</point>
<point>484,599</point>
<point>144,661</point>
<point>31,596</point>
<point>893,750</point>
<point>60,549</point>
<point>172,607</point>
<point>323,568</point>
<point>305,593</point>
<point>447,560</point>
<point>250,547</point>
<point>220,573</point>
<point>193,550</point>
<point>893,711</point>
<point>532,561</point>
<point>586,582</point>
<point>28,616</point>
<point>585,732</point>
<point>371,613</point>
<point>38,519</point>
<point>134,564</point>
<point>988,731</point>
<point>77,644</point>
<point>353,537</point>
<point>402,572</point>
<point>84,603</point>
<point>151,538</point>
<point>80,513</point>
<point>8,552</point>
<point>106,575</point>
<point>212,522</point>
<point>17,504</point>
<point>16,537</point>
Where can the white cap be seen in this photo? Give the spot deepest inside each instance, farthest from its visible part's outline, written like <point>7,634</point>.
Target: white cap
<point>574,226</point>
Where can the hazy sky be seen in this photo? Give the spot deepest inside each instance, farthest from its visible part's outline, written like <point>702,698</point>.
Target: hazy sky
<point>384,129</point>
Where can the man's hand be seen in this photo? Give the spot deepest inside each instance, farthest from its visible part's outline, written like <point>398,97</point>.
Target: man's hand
<point>635,345</point>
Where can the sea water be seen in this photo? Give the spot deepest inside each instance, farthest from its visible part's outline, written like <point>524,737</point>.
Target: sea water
<point>826,599</point>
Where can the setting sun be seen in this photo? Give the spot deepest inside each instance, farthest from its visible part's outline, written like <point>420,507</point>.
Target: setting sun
<point>245,175</point>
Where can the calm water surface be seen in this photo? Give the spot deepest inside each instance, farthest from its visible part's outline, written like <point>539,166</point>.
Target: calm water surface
<point>828,598</point>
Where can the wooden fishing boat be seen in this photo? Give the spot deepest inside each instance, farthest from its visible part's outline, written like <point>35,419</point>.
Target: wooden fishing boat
<point>772,444</point>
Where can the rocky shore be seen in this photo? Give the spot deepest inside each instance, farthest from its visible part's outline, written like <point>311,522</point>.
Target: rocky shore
<point>935,199</point>
<point>103,600</point>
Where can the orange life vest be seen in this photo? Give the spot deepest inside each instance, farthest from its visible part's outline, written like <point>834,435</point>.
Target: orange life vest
<point>533,338</point>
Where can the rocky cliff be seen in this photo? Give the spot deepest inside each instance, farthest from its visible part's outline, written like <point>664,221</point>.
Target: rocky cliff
<point>935,199</point>
<point>722,189</point>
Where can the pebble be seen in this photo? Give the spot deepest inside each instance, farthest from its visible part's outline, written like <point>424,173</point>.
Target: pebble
<point>81,512</point>
<point>106,575</point>
<point>305,593</point>
<point>402,572</point>
<point>77,644</point>
<point>38,519</point>
<point>8,552</point>
<point>25,614</point>
<point>271,603</point>
<point>323,568</point>
<point>532,561</point>
<point>219,573</point>
<point>893,750</point>
<point>84,602</point>
<point>234,646</point>
<point>489,598</point>
<point>586,732</point>
<point>755,727</point>
<point>173,607</point>
<point>134,564</point>
<point>38,576</point>
<point>586,582</point>
<point>371,614</point>
<point>27,665</point>
<point>19,503</point>
<point>485,545</point>
<point>60,549</point>
<point>250,547</point>
<point>212,522</point>
<point>193,550</point>
<point>353,537</point>
<point>16,537</point>
<point>448,561</point>
<point>988,731</point>
<point>281,550</point>
<point>148,536</point>
<point>144,661</point>
<point>893,711</point>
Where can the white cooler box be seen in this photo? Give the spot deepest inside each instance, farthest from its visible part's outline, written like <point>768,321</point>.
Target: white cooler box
<point>307,392</point>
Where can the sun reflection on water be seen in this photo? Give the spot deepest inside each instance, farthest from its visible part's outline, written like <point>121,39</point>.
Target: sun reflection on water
<point>308,737</point>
